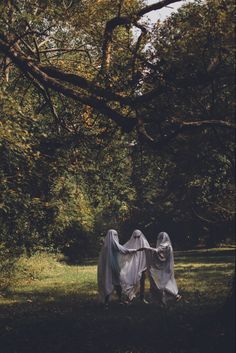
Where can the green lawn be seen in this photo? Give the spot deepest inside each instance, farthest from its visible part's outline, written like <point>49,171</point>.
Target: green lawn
<point>58,311</point>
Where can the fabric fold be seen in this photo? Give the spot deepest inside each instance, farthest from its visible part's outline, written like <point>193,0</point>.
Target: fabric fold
<point>108,271</point>
<point>132,266</point>
<point>160,262</point>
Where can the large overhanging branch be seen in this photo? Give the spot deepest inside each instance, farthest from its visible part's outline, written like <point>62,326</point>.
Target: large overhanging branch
<point>137,46</point>
<point>177,127</point>
<point>112,24</point>
<point>83,83</point>
<point>206,123</point>
<point>26,65</point>
<point>104,93</point>
<point>157,6</point>
<point>106,48</point>
<point>50,77</point>
<point>97,97</point>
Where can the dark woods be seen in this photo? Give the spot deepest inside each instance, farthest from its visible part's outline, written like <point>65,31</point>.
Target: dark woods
<point>109,121</point>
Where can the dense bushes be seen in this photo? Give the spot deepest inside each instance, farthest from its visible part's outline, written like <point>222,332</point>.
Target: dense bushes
<point>19,269</point>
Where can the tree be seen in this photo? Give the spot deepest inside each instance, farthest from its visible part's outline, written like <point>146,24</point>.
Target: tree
<point>109,127</point>
<point>102,91</point>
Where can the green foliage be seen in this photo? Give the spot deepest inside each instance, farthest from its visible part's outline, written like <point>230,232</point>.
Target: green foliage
<point>189,187</point>
<point>68,174</point>
<point>8,260</point>
<point>36,267</point>
<point>16,269</point>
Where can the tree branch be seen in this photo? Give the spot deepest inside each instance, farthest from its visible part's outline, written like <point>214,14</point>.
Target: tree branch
<point>176,127</point>
<point>28,66</point>
<point>204,123</point>
<point>137,46</point>
<point>83,83</point>
<point>108,33</point>
<point>157,6</point>
<point>125,21</point>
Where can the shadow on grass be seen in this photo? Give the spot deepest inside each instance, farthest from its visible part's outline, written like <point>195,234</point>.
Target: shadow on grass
<point>81,325</point>
<point>67,318</point>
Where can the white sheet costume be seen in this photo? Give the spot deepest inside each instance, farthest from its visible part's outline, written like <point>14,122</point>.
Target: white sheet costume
<point>108,267</point>
<point>161,267</point>
<point>133,266</point>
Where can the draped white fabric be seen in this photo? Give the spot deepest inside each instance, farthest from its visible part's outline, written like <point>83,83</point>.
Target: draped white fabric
<point>108,267</point>
<point>160,262</point>
<point>133,265</point>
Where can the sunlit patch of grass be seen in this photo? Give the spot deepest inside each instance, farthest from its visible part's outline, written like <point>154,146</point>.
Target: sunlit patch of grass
<point>203,277</point>
<point>200,276</point>
<point>58,306</point>
<point>60,282</point>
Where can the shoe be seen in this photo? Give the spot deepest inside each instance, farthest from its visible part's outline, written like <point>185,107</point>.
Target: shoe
<point>178,298</point>
<point>123,302</point>
<point>144,301</point>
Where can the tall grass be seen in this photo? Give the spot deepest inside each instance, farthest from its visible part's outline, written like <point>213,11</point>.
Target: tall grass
<point>16,270</point>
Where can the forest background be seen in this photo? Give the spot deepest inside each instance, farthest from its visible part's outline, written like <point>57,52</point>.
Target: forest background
<point>110,121</point>
<point>112,116</point>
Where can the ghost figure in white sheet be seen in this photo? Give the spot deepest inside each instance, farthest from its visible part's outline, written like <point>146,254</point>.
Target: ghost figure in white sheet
<point>160,261</point>
<point>108,272</point>
<point>133,266</point>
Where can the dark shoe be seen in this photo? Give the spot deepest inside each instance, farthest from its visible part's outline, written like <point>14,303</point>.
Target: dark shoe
<point>178,298</point>
<point>144,301</point>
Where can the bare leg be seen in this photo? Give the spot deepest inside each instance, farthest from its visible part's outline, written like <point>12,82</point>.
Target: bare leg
<point>119,292</point>
<point>107,300</point>
<point>177,297</point>
<point>142,288</point>
<point>156,294</point>
<point>142,285</point>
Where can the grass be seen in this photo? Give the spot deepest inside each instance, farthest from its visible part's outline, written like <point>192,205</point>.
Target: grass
<point>55,310</point>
